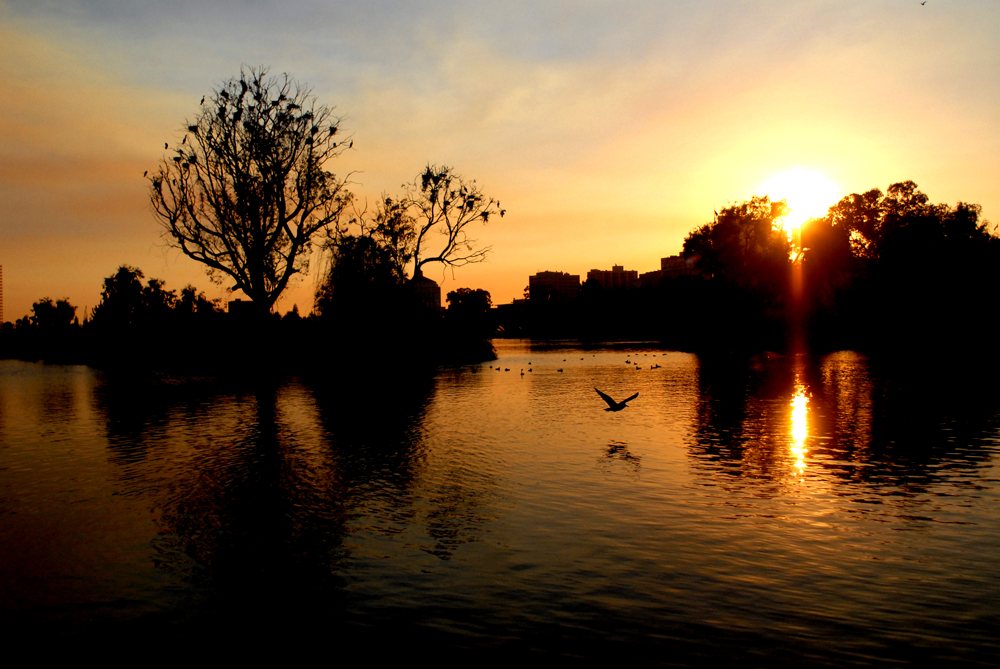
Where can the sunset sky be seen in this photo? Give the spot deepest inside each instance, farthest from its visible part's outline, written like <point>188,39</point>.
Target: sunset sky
<point>608,130</point>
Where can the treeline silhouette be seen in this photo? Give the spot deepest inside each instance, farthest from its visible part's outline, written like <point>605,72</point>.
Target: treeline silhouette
<point>361,316</point>
<point>880,272</point>
<point>887,272</point>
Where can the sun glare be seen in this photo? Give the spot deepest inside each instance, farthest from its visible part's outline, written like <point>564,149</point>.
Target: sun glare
<point>809,194</point>
<point>800,427</point>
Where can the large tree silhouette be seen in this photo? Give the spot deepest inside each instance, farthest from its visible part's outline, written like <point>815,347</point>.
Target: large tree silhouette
<point>746,244</point>
<point>246,191</point>
<point>922,274</point>
<point>744,255</point>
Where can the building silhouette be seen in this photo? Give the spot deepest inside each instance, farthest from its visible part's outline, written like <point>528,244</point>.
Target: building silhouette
<point>241,309</point>
<point>618,277</point>
<point>564,287</point>
<point>558,286</point>
<point>427,292</point>
<point>675,266</point>
<point>671,267</point>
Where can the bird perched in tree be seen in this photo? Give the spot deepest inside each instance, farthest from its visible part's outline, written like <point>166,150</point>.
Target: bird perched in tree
<point>612,405</point>
<point>145,173</point>
<point>202,100</point>
<point>166,146</point>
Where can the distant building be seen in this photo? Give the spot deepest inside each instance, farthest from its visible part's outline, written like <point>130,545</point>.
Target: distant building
<point>618,277</point>
<point>553,286</point>
<point>674,266</point>
<point>241,308</point>
<point>510,318</point>
<point>671,267</point>
<point>427,291</point>
<point>651,279</point>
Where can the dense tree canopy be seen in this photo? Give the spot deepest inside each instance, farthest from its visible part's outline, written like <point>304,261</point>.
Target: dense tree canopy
<point>879,270</point>
<point>362,271</point>
<point>126,302</point>
<point>894,269</point>
<point>47,314</point>
<point>474,302</point>
<point>903,223</point>
<point>745,243</point>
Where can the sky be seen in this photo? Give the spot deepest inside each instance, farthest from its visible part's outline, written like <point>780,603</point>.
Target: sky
<point>607,130</point>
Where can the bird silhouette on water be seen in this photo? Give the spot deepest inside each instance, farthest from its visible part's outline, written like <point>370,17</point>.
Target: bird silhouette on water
<point>612,405</point>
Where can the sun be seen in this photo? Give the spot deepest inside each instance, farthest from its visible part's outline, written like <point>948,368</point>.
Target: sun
<point>809,194</point>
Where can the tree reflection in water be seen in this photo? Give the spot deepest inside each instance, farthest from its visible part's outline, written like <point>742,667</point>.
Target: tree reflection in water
<point>467,509</point>
<point>768,421</point>
<point>253,484</point>
<point>258,487</point>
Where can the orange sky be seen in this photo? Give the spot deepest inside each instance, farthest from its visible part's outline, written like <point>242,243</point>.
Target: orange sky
<point>607,131</point>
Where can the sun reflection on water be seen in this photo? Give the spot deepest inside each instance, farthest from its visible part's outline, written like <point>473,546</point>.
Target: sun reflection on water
<point>800,427</point>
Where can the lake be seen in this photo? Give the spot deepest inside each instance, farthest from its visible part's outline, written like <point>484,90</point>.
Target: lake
<point>782,510</point>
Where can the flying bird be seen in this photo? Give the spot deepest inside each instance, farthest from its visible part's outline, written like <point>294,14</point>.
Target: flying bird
<point>612,405</point>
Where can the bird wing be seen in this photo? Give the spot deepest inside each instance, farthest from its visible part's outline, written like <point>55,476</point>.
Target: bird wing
<point>606,398</point>
<point>630,399</point>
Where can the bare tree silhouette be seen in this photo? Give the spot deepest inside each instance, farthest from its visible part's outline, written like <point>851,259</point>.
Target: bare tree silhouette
<point>247,195</point>
<point>446,204</point>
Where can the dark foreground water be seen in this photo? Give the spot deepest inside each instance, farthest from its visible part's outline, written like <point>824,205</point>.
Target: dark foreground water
<point>786,510</point>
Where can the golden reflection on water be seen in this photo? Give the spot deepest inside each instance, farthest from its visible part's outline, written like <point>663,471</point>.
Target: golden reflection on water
<point>491,501</point>
<point>800,425</point>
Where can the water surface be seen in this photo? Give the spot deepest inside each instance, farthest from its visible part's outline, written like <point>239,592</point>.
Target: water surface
<point>818,510</point>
